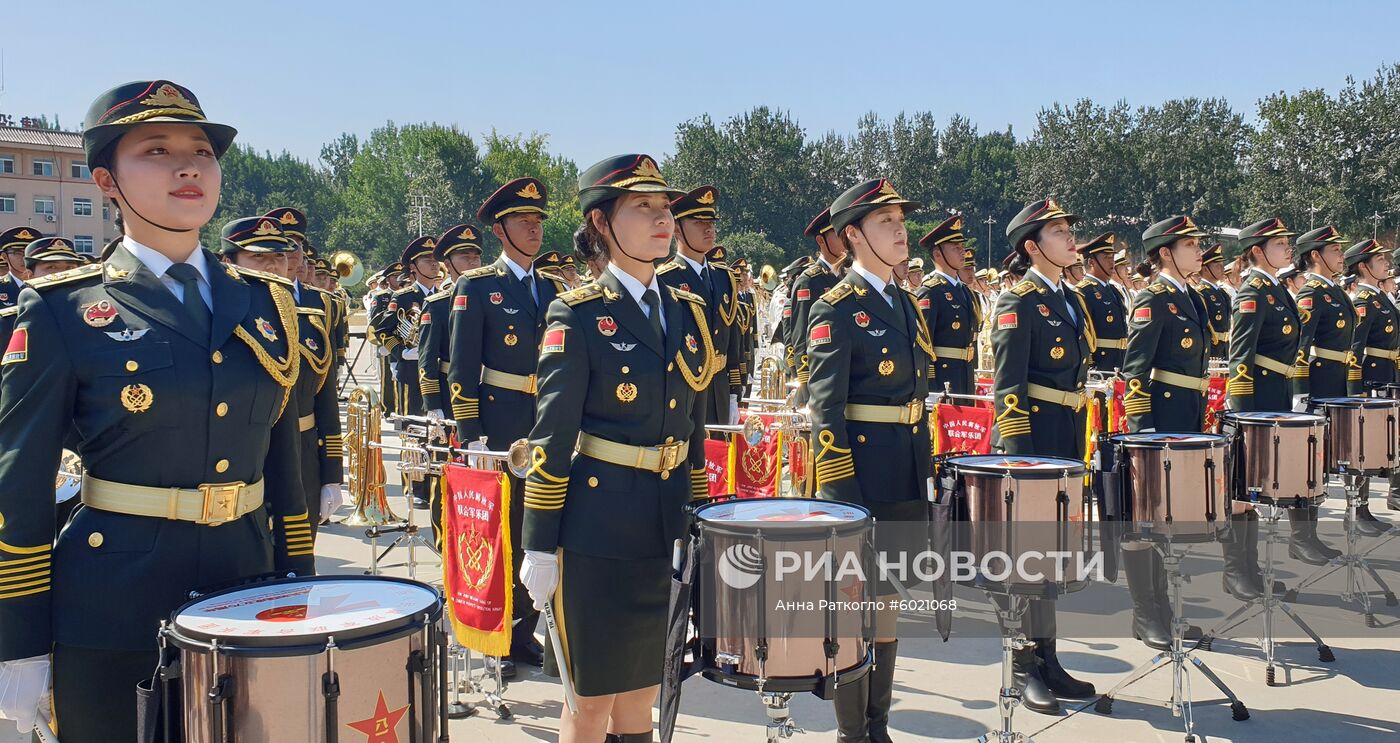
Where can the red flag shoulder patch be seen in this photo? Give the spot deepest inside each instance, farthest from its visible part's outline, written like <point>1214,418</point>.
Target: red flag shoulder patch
<point>1247,305</point>
<point>804,294</point>
<point>821,334</point>
<point>459,302</point>
<point>924,303</point>
<point>1142,314</point>
<point>18,350</point>
<point>553,341</point>
<point>1361,311</point>
<point>1305,303</point>
<point>425,319</point>
<point>1006,321</point>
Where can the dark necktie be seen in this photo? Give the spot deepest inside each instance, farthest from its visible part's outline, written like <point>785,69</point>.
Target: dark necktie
<point>188,276</point>
<point>529,281</point>
<point>653,303</point>
<point>898,306</point>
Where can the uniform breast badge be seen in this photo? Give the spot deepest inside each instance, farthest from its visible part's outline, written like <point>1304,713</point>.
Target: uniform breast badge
<point>266,329</point>
<point>886,368</point>
<point>627,392</point>
<point>137,398</point>
<point>1057,353</point>
<point>99,314</point>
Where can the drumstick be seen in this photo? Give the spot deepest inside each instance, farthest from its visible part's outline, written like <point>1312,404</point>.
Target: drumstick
<point>568,683</point>
<point>45,735</point>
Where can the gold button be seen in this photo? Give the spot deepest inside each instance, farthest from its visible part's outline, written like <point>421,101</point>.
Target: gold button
<point>221,409</point>
<point>2,521</point>
<point>592,482</point>
<point>510,327</point>
<point>1057,339</point>
<point>95,539</point>
<point>221,466</point>
<point>670,367</point>
<point>626,369</point>
<point>884,350</point>
<point>492,398</point>
<point>1035,408</point>
<point>916,429</point>
<point>670,439</point>
<point>218,357</point>
<point>132,366</point>
<point>666,475</point>
<point>673,403</point>
<point>861,438</point>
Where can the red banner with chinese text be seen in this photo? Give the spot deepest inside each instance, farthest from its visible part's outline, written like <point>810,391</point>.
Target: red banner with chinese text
<point>717,466</point>
<point>756,468</point>
<point>476,558</point>
<point>1215,402</point>
<point>963,429</point>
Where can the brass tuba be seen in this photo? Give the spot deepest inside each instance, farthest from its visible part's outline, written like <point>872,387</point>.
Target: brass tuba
<point>364,466</point>
<point>347,268</point>
<point>772,380</point>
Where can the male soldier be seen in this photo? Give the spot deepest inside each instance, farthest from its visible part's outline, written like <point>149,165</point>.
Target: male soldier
<point>1122,277</point>
<point>696,213</point>
<point>1104,302</point>
<point>915,275</point>
<point>318,409</point>
<point>498,314</point>
<point>400,326</point>
<point>814,281</point>
<point>1377,343</point>
<point>748,322</point>
<point>1217,299</point>
<point>42,257</point>
<point>379,307</point>
<point>12,244</point>
<point>951,311</point>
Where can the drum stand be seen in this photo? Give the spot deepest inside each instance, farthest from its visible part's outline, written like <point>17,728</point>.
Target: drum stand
<point>1266,605</point>
<point>1352,560</point>
<point>1012,639</point>
<point>780,724</point>
<point>464,682</point>
<point>1177,657</point>
<point>409,535</point>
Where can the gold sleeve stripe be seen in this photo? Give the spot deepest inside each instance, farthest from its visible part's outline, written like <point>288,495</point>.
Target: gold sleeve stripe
<point>27,592</point>
<point>25,550</point>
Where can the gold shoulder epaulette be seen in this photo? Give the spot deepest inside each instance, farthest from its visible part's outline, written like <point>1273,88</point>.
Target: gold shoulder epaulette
<point>1365,294</point>
<point>477,273</point>
<point>932,281</point>
<point>687,296</point>
<point>814,270</point>
<point>445,293</point>
<point>265,276</point>
<point>668,267</point>
<point>1158,288</point>
<point>837,293</point>
<point>405,290</point>
<point>90,271</point>
<point>9,311</point>
<point>1084,284</point>
<point>1026,286</point>
<point>582,294</point>
<point>1256,282</point>
<point>1313,283</point>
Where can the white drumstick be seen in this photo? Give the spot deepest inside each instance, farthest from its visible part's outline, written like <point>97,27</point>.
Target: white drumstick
<point>45,735</point>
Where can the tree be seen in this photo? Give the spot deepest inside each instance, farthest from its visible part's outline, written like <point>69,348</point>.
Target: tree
<point>520,156</point>
<point>1188,155</point>
<point>1293,160</point>
<point>254,183</point>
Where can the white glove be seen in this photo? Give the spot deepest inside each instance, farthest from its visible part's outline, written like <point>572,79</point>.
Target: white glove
<point>435,414</point>
<point>733,408</point>
<point>24,689</point>
<point>410,354</point>
<point>540,576</point>
<point>394,371</point>
<point>1300,403</point>
<point>331,500</point>
<point>477,445</point>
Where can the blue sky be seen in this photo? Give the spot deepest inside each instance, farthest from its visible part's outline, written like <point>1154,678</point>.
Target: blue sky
<point>608,77</point>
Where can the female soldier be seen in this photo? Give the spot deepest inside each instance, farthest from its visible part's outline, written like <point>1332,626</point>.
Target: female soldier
<point>1265,354</point>
<point>1324,339</point>
<point>1043,342</point>
<point>1165,372</point>
<point>869,350</point>
<point>622,368</point>
<point>169,371</point>
<point>1376,343</point>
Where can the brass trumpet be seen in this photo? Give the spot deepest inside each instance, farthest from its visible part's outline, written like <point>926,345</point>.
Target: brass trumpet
<point>772,379</point>
<point>410,324</point>
<point>364,468</point>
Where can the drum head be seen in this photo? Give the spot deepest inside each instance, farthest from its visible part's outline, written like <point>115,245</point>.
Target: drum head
<point>1277,418</point>
<point>779,513</point>
<point>1016,466</point>
<point>1355,402</point>
<point>1170,440</point>
<point>305,611</point>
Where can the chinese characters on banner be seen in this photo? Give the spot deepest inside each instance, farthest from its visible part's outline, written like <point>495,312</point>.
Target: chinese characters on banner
<point>962,429</point>
<point>476,557</point>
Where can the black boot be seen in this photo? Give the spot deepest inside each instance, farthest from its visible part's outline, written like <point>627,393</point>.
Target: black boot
<point>1057,679</point>
<point>1366,522</point>
<point>851,702</point>
<point>1191,633</point>
<point>1251,545</point>
<point>1025,676</point>
<point>1140,566</point>
<point>877,709</point>
<point>635,738</point>
<point>1303,543</point>
<point>1238,577</point>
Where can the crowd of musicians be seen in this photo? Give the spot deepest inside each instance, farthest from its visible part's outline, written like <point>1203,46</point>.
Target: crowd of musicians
<point>199,386</point>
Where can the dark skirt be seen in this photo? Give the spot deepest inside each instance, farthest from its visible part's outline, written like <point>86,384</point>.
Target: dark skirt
<point>612,617</point>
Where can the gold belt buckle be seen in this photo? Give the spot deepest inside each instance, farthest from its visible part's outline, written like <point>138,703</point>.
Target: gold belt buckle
<point>220,503</point>
<point>532,384</point>
<point>670,455</point>
<point>912,412</point>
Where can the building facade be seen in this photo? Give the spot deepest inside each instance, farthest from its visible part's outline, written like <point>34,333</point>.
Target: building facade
<point>45,185</point>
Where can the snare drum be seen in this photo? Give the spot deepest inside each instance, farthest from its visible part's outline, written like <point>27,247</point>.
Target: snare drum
<point>257,660</point>
<point>739,588</point>
<point>1172,485</point>
<point>1360,434</point>
<point>1014,505</point>
<point>1277,457</point>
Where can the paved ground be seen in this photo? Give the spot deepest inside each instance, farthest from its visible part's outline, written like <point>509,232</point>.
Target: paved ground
<point>946,691</point>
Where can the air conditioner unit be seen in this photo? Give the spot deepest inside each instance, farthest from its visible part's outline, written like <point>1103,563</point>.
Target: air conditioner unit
<point>48,217</point>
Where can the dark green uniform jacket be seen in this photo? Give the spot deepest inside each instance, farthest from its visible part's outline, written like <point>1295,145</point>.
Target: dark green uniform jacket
<point>1325,341</point>
<point>1264,327</point>
<point>1110,319</point>
<point>719,289</point>
<point>814,281</point>
<point>953,315</point>
<point>1168,340</point>
<point>1218,312</point>
<point>1376,340</point>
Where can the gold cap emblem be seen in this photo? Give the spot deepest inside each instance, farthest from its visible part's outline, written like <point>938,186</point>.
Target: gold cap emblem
<point>24,235</point>
<point>287,218</point>
<point>467,234</point>
<point>266,227</point>
<point>706,198</point>
<point>430,243</point>
<point>167,96</point>
<point>1110,239</point>
<point>530,191</point>
<point>647,169</point>
<point>957,224</point>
